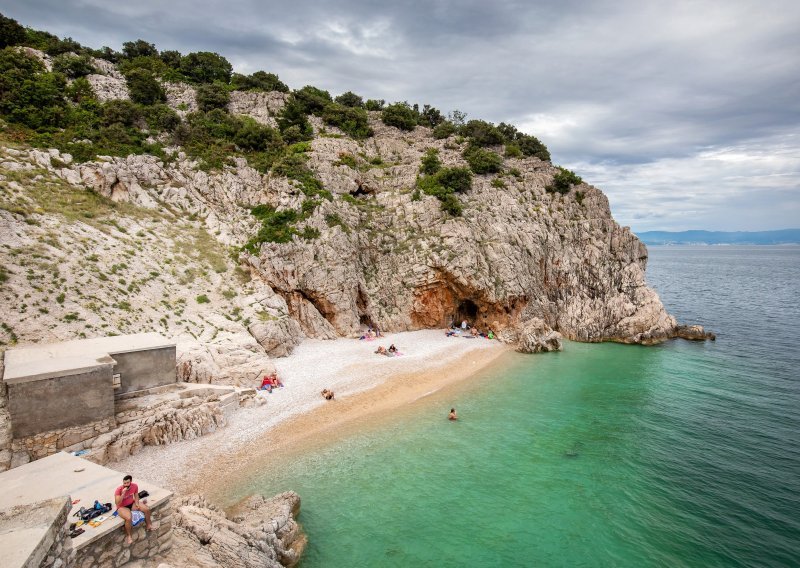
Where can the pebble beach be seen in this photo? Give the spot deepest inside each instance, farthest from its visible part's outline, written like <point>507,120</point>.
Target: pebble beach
<point>368,387</point>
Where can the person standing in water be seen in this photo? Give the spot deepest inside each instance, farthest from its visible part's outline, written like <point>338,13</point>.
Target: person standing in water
<point>452,415</point>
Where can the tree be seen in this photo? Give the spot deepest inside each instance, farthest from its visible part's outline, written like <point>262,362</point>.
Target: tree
<point>457,179</point>
<point>312,100</point>
<point>160,117</point>
<point>206,67</point>
<point>258,81</point>
<point>120,111</point>
<point>293,122</point>
<point>430,162</point>
<point>171,58</point>
<point>483,161</point>
<point>144,88</point>
<point>350,99</point>
<point>11,33</point>
<point>444,130</point>
<point>563,181</point>
<point>400,115</point>
<point>29,95</point>
<point>73,66</point>
<point>212,96</point>
<point>351,120</point>
<point>255,136</point>
<point>482,133</point>
<point>374,104</point>
<point>457,117</point>
<point>430,117</point>
<point>138,48</point>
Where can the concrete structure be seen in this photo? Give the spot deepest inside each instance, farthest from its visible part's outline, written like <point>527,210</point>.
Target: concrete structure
<point>36,499</point>
<point>68,384</point>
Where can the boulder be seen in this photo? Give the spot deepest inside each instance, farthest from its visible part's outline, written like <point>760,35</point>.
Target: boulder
<point>535,336</point>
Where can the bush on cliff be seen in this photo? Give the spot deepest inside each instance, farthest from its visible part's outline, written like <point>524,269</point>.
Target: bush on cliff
<point>258,81</point>
<point>350,99</point>
<point>350,120</point>
<point>399,115</point>
<point>563,181</point>
<point>138,48</point>
<point>73,66</point>
<point>28,94</point>
<point>430,162</point>
<point>144,88</point>
<point>11,33</point>
<point>444,184</point>
<point>206,67</point>
<point>212,96</point>
<point>481,133</point>
<point>483,161</point>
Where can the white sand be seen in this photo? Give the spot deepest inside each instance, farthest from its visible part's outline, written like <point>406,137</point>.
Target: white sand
<point>347,366</point>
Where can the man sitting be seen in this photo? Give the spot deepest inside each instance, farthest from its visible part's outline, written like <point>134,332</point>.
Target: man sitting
<point>126,498</point>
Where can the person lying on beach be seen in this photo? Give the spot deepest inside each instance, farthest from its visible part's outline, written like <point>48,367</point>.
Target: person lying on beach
<point>270,382</point>
<point>369,336</point>
<point>452,415</point>
<point>381,350</point>
<point>327,394</point>
<point>473,332</point>
<point>392,348</point>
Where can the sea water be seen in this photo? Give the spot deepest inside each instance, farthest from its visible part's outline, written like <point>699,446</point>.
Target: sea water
<point>682,454</point>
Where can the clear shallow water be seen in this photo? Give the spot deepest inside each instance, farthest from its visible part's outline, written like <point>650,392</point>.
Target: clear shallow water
<point>684,454</point>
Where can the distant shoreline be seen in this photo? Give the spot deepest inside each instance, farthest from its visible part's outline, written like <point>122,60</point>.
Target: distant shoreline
<point>701,237</point>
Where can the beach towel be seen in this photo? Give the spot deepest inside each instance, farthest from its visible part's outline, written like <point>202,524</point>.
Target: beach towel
<point>136,517</point>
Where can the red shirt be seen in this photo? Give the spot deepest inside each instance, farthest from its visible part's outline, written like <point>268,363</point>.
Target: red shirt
<point>128,500</point>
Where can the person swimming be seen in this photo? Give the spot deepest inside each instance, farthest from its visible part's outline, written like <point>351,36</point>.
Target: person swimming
<point>452,415</point>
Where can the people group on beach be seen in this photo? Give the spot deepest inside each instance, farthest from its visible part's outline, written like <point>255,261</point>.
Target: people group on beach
<point>468,331</point>
<point>371,334</point>
<point>327,394</point>
<point>390,352</point>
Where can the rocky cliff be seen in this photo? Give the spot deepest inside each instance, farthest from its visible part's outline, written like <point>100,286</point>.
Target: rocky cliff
<point>138,243</point>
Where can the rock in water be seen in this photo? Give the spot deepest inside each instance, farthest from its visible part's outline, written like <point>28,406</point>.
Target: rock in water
<point>535,336</point>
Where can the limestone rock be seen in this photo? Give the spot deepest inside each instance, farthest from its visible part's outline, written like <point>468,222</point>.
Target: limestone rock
<point>265,534</point>
<point>694,333</point>
<point>535,336</point>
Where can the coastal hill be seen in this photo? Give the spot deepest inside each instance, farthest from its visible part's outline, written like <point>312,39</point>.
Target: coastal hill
<point>149,190</point>
<point>779,237</point>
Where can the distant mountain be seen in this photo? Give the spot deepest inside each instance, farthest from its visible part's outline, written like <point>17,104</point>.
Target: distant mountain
<point>781,237</point>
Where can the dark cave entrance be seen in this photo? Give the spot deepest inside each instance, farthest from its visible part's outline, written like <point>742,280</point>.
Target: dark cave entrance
<point>467,310</point>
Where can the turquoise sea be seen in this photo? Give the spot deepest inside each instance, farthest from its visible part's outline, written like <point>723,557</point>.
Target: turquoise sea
<point>683,454</point>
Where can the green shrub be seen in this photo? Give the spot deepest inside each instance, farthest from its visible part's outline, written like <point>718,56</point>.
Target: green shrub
<point>483,161</point>
<point>171,58</point>
<point>350,99</point>
<point>258,81</point>
<point>73,66</point>
<point>293,166</point>
<point>206,67</point>
<point>255,136</point>
<point>374,104</point>
<point>531,146</point>
<point>444,130</point>
<point>138,48</point>
<point>276,226</point>
<point>202,299</point>
<point>399,115</point>
<point>120,111</point>
<point>312,100</point>
<point>212,96</point>
<point>144,88</point>
<point>350,120</point>
<point>430,162</point>
<point>11,33</point>
<point>346,159</point>
<point>482,133</point>
<point>29,95</point>
<point>430,117</point>
<point>80,91</point>
<point>513,151</point>
<point>563,181</point>
<point>333,220</point>
<point>161,117</point>
<point>293,122</point>
<point>457,179</point>
<point>154,65</point>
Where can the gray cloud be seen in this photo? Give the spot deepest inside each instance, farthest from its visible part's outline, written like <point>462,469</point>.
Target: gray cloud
<point>687,116</point>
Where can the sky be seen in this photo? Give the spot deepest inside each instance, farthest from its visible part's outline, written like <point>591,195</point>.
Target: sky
<point>685,113</point>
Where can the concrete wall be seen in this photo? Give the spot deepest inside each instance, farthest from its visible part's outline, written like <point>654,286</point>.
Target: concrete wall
<point>145,369</point>
<point>50,404</point>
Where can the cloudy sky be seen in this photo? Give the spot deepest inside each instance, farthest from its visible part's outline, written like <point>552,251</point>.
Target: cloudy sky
<point>686,113</point>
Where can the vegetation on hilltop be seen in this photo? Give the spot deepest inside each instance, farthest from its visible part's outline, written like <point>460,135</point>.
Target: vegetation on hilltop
<point>57,108</point>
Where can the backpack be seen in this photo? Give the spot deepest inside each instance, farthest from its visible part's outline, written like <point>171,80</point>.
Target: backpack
<point>97,509</point>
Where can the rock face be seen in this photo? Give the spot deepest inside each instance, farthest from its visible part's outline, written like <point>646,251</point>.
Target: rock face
<point>535,336</point>
<point>385,254</point>
<point>264,534</point>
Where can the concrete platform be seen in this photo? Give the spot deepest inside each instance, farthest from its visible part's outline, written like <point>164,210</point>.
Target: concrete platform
<point>63,474</point>
<point>26,533</point>
<point>37,362</point>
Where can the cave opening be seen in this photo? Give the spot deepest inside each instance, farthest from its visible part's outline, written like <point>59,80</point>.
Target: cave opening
<point>466,310</point>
